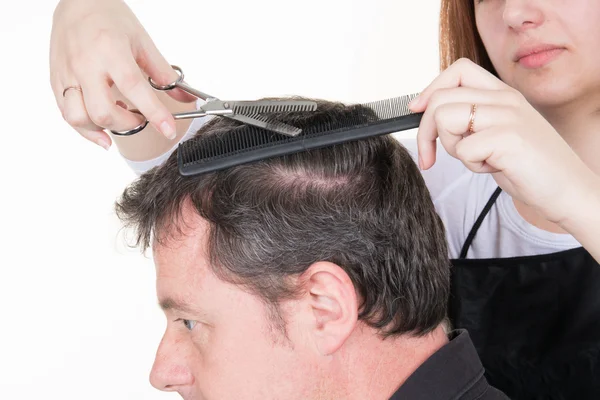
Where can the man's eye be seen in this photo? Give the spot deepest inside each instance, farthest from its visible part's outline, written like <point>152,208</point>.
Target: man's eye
<point>188,323</point>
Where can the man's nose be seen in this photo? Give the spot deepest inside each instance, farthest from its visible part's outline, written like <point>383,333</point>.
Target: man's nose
<point>170,371</point>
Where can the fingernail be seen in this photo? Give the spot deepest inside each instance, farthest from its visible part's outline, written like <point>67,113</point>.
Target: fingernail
<point>414,102</point>
<point>167,130</point>
<point>420,163</point>
<point>103,143</point>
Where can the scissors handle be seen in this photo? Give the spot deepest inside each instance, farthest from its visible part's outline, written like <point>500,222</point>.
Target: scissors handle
<point>135,130</point>
<point>182,115</point>
<point>194,92</point>
<point>180,84</point>
<point>248,112</point>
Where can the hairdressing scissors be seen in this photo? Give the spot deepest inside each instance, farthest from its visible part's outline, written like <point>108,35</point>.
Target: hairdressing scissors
<point>250,112</point>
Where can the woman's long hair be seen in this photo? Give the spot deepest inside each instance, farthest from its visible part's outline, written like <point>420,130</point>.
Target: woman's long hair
<point>459,36</point>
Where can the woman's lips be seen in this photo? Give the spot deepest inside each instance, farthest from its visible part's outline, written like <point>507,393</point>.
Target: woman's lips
<point>538,59</point>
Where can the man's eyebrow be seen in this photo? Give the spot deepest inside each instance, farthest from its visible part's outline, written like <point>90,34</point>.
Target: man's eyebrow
<point>170,304</point>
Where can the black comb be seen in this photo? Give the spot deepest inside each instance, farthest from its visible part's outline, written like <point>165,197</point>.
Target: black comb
<point>207,153</point>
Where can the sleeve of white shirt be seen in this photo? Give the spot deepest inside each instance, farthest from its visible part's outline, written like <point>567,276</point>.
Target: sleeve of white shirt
<point>444,172</point>
<point>139,167</point>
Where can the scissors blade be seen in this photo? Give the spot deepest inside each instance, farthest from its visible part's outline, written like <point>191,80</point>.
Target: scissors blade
<point>257,113</point>
<point>201,113</point>
<point>266,123</point>
<point>273,106</point>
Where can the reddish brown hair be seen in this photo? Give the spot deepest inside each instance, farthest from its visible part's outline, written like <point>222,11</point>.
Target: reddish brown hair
<point>459,36</point>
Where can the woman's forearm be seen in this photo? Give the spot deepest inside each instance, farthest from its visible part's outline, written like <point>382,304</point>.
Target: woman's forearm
<point>584,223</point>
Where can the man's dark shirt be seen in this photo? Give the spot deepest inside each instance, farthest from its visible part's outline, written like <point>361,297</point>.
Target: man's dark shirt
<point>454,372</point>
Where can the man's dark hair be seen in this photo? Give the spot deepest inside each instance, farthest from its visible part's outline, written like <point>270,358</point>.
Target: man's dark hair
<point>361,205</point>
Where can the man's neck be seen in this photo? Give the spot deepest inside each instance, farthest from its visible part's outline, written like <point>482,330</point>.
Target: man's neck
<point>374,368</point>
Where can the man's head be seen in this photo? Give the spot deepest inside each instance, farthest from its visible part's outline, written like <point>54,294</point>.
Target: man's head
<point>277,276</point>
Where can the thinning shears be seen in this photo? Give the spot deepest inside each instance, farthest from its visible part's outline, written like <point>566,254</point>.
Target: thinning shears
<point>257,113</point>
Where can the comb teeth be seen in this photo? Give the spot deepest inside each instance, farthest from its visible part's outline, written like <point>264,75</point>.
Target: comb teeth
<point>391,108</point>
<point>273,106</point>
<point>248,143</point>
<point>277,126</point>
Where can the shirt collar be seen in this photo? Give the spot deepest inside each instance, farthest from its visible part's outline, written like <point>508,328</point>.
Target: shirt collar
<point>447,374</point>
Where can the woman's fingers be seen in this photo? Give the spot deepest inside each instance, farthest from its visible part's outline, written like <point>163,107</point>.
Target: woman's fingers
<point>132,83</point>
<point>453,119</point>
<point>450,109</point>
<point>76,115</point>
<point>152,62</point>
<point>102,108</point>
<point>74,111</point>
<point>96,45</point>
<point>462,73</point>
<point>101,138</point>
<point>477,151</point>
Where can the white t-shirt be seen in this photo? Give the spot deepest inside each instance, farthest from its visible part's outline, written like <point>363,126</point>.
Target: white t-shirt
<point>459,196</point>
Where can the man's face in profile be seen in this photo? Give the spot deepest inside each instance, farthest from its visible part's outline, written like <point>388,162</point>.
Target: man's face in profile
<point>220,341</point>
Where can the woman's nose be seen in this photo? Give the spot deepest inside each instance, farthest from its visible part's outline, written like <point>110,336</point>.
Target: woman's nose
<point>521,15</point>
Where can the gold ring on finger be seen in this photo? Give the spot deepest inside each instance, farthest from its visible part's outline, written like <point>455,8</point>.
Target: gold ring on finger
<point>78,88</point>
<point>471,129</point>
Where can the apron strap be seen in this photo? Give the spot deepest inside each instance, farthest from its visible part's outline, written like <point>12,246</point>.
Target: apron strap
<point>477,224</point>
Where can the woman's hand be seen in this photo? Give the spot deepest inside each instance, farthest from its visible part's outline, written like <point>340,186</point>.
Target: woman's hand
<point>509,139</point>
<point>94,45</point>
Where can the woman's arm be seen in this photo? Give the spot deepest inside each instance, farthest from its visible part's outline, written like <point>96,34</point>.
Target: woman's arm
<point>584,222</point>
<point>95,47</point>
<point>491,128</point>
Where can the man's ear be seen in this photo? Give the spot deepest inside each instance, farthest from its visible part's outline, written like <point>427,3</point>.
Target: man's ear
<point>334,304</point>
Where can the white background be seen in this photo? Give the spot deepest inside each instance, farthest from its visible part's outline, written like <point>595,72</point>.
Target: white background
<point>78,312</point>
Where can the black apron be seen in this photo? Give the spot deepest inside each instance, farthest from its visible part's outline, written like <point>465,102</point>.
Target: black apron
<point>535,320</point>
